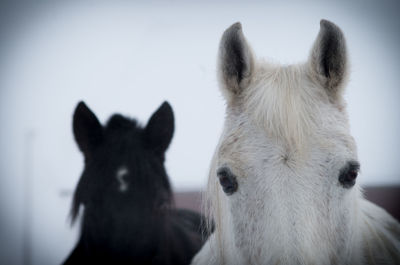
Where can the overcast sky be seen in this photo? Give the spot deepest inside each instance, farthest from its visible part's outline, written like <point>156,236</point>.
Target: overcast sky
<point>129,57</point>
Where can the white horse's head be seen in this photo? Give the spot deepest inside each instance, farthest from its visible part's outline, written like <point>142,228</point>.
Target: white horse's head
<point>282,182</point>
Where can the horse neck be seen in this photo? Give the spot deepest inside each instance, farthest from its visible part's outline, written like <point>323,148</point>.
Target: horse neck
<point>143,231</point>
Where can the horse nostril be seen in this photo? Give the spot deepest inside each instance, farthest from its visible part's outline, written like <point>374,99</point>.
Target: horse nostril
<point>227,180</point>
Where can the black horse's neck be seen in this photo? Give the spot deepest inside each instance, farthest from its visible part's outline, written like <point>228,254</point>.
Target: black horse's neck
<point>131,238</point>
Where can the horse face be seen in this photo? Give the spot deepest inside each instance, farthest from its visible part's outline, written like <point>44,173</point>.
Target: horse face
<point>124,166</point>
<point>286,156</point>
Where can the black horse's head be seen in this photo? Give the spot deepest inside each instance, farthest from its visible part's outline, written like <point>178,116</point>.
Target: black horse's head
<point>124,170</point>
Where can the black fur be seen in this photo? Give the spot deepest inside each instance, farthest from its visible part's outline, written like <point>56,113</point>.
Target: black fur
<point>140,225</point>
<point>160,129</point>
<point>87,129</point>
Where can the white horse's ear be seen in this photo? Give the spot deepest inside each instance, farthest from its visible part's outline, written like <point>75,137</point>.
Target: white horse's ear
<point>235,61</point>
<point>328,59</point>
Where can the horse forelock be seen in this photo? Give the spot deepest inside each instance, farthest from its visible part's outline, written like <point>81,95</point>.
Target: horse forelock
<point>118,122</point>
<point>77,199</point>
<point>282,100</point>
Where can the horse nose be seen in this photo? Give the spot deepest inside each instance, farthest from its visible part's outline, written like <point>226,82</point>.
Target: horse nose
<point>227,180</point>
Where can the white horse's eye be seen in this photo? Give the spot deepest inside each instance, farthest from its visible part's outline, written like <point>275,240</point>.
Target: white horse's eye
<point>348,174</point>
<point>121,177</point>
<point>227,180</point>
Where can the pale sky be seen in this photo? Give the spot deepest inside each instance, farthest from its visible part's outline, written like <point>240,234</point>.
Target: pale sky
<point>129,57</point>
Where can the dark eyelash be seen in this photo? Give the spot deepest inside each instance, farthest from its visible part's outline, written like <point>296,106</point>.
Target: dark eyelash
<point>227,180</point>
<point>353,165</point>
<point>348,174</point>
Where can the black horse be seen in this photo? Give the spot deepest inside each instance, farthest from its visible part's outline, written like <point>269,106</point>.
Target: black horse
<point>128,212</point>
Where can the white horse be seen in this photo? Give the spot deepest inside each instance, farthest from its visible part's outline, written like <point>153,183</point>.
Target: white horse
<point>282,186</point>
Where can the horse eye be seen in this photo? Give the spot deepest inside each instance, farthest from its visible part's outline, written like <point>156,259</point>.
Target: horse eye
<point>227,180</point>
<point>348,174</point>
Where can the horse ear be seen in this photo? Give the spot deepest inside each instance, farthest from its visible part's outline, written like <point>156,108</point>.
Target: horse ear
<point>160,128</point>
<point>235,61</point>
<point>328,59</point>
<point>87,129</point>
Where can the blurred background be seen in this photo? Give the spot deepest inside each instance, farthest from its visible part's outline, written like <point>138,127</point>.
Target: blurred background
<point>128,57</point>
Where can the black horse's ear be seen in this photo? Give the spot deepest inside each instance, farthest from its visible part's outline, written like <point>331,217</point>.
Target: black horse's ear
<point>160,128</point>
<point>328,59</point>
<point>87,129</point>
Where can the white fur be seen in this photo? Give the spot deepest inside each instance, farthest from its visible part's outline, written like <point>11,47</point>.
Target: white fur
<point>121,173</point>
<point>286,142</point>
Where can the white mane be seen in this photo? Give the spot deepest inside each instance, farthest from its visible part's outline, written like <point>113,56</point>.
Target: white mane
<point>279,103</point>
